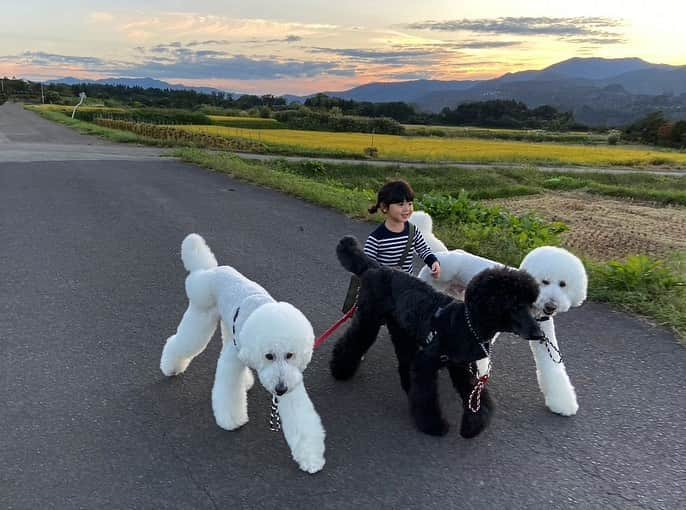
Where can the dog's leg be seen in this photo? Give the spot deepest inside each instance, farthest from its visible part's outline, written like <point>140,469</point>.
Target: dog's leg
<point>355,342</point>
<point>229,393</point>
<point>227,339</point>
<point>302,429</point>
<point>553,380</point>
<point>405,351</point>
<point>424,404</point>
<point>192,336</point>
<point>472,423</point>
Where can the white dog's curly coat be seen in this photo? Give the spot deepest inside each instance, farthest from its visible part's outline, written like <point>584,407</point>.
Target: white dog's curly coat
<point>563,283</point>
<point>273,338</point>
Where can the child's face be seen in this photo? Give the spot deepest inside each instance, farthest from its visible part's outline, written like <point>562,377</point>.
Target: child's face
<point>400,211</point>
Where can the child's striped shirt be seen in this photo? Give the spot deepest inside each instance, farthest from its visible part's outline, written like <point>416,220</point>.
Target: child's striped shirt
<point>386,247</point>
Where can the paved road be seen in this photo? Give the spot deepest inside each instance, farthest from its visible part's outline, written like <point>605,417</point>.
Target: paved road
<point>91,285</point>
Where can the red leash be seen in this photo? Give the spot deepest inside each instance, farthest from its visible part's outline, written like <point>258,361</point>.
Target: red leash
<point>325,336</point>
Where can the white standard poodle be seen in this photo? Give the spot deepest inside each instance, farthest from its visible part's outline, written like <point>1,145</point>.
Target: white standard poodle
<point>563,282</point>
<point>273,338</point>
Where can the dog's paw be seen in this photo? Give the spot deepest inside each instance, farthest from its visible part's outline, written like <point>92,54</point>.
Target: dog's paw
<point>171,367</point>
<point>475,423</point>
<point>343,369</point>
<point>227,421</point>
<point>436,426</point>
<point>563,407</point>
<point>311,464</point>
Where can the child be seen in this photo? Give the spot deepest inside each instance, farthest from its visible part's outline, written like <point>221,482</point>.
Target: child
<point>387,243</point>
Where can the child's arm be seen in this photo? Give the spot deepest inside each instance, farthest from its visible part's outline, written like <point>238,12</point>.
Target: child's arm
<point>424,252</point>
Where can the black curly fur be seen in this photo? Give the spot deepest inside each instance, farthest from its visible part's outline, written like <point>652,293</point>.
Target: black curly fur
<point>498,299</point>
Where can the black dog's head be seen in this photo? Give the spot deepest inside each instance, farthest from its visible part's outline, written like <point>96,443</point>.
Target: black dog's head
<point>502,299</point>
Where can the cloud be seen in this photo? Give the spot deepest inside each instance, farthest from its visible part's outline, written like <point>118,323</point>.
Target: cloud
<point>226,42</point>
<point>237,67</point>
<point>577,28</point>
<point>175,61</point>
<point>383,57</point>
<point>40,58</point>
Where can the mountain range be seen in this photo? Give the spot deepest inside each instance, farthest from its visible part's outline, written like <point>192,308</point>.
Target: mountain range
<point>598,91</point>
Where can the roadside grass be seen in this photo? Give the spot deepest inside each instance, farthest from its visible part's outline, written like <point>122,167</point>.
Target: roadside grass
<point>487,183</point>
<point>89,128</point>
<point>655,289</point>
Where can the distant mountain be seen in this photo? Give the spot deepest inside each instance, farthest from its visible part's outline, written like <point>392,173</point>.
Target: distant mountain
<point>146,83</point>
<point>600,92</point>
<point>664,80</point>
<point>597,68</point>
<point>290,98</point>
<point>407,91</point>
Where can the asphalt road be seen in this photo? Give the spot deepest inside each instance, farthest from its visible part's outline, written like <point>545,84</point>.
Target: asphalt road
<point>91,285</point>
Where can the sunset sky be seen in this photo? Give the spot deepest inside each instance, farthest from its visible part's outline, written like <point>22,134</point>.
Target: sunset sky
<point>304,46</point>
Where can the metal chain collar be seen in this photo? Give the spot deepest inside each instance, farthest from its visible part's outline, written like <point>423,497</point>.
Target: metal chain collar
<point>548,345</point>
<point>274,418</point>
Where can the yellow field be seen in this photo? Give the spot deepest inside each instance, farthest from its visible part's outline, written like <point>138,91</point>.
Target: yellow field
<point>405,148</point>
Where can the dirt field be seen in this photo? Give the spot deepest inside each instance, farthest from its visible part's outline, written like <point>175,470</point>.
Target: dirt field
<point>605,228</point>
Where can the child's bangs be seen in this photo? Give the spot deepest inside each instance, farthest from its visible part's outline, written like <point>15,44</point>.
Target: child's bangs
<point>400,194</point>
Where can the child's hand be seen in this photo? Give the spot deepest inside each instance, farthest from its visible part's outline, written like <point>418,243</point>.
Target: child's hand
<point>436,270</point>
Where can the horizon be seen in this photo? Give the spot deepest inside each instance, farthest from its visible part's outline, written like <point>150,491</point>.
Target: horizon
<point>271,48</point>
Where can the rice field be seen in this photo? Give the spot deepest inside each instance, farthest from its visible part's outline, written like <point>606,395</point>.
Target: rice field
<point>468,150</point>
<point>245,122</point>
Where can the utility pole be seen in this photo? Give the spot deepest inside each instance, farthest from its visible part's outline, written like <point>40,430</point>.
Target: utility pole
<point>42,96</point>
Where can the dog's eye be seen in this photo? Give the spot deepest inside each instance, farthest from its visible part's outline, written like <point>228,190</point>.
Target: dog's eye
<point>563,283</point>
<point>545,282</point>
<point>289,355</point>
<point>269,356</point>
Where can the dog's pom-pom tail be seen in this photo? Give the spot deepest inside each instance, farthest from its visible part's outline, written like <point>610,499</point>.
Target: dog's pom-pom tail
<point>351,256</point>
<point>195,254</point>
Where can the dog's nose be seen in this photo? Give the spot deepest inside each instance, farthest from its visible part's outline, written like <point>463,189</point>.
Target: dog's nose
<point>549,308</point>
<point>280,389</point>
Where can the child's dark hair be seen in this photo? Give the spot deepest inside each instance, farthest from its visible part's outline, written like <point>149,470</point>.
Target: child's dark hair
<point>394,192</point>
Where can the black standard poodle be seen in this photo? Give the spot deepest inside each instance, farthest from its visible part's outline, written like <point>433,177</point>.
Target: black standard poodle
<point>431,330</point>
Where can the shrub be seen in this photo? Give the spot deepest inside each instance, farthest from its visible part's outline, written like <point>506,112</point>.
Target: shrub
<point>637,274</point>
<point>371,152</point>
<point>613,137</point>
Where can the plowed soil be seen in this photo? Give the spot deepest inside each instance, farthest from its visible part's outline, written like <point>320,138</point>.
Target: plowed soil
<point>605,228</point>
